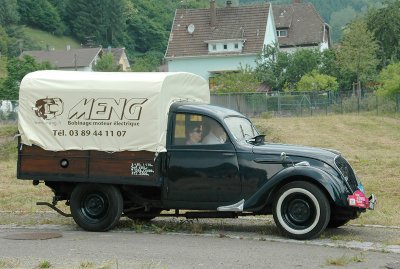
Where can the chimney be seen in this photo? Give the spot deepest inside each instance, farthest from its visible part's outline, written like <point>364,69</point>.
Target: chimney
<point>228,3</point>
<point>213,13</point>
<point>296,1</point>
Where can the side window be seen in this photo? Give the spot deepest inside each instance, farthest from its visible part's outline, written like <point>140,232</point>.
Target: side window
<point>188,129</point>
<point>192,129</point>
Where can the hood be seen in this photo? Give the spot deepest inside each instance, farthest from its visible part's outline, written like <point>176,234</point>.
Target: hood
<point>325,155</point>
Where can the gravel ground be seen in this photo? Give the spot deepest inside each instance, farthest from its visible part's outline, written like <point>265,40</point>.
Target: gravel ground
<point>259,228</point>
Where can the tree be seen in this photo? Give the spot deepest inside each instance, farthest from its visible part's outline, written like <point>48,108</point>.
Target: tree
<point>357,52</point>
<point>148,62</point>
<point>41,14</point>
<point>339,19</point>
<point>104,20</point>
<point>385,24</point>
<point>244,80</point>
<point>17,69</point>
<point>8,12</point>
<point>301,62</point>
<point>106,64</point>
<point>271,67</point>
<point>315,81</point>
<point>3,42</point>
<point>390,79</point>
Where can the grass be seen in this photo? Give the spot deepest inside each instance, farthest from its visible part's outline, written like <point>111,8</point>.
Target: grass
<point>44,39</point>
<point>370,143</point>
<point>9,263</point>
<point>345,260</point>
<point>44,264</point>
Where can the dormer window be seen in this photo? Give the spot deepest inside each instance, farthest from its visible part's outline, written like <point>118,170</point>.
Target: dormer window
<point>282,33</point>
<point>227,45</point>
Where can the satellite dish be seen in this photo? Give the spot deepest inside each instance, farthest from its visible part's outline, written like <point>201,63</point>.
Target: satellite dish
<point>191,28</point>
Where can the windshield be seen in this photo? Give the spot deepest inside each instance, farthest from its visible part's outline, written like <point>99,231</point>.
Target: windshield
<point>241,128</point>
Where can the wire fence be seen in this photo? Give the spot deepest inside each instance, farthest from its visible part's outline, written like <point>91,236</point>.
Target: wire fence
<point>277,104</point>
<point>306,103</point>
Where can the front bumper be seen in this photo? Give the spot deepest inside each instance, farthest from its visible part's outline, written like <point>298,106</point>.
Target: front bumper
<point>359,200</point>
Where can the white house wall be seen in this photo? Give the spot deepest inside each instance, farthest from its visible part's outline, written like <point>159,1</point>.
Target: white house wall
<point>204,66</point>
<point>270,31</point>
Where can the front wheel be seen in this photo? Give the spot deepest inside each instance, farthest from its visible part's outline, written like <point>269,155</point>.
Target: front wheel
<point>301,210</point>
<point>96,207</point>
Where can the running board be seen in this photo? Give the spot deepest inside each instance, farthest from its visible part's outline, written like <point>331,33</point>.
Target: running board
<point>238,207</point>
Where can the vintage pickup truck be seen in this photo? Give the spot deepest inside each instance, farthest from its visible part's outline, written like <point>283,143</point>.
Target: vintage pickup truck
<point>139,144</point>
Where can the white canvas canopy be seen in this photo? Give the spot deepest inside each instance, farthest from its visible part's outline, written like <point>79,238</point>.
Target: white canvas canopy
<point>69,110</point>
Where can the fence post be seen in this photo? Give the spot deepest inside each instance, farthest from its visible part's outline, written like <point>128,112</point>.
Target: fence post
<point>326,104</point>
<point>398,104</point>
<point>279,103</point>
<point>377,105</point>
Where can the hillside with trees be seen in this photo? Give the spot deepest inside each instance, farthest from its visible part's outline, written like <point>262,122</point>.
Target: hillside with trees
<point>143,27</point>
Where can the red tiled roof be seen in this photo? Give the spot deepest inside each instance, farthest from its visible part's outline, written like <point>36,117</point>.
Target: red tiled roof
<point>237,23</point>
<point>305,26</point>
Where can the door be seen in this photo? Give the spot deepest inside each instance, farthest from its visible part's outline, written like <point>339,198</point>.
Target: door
<point>202,164</point>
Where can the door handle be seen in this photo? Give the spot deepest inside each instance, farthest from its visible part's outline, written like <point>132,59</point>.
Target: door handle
<point>228,154</point>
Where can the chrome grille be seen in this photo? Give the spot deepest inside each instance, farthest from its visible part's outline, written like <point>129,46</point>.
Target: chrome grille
<point>347,172</point>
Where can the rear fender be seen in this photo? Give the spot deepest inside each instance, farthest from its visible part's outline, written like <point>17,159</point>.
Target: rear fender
<point>335,190</point>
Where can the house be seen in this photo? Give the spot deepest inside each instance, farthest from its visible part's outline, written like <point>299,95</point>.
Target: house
<point>299,25</point>
<point>214,40</point>
<point>81,59</point>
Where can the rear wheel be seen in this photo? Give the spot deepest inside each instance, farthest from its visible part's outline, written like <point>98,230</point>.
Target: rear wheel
<point>96,207</point>
<point>301,210</point>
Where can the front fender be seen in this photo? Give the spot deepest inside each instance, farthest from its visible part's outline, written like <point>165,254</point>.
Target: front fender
<point>333,186</point>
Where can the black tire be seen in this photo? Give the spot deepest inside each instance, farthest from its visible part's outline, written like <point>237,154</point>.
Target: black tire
<point>301,210</point>
<point>141,215</point>
<point>336,223</point>
<point>96,207</point>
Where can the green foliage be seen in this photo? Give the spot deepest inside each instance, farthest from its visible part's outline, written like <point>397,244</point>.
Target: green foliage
<point>233,82</point>
<point>315,81</point>
<point>357,52</point>
<point>385,24</point>
<point>271,67</point>
<point>303,61</point>
<point>281,70</point>
<point>103,21</point>
<point>339,19</point>
<point>147,62</point>
<point>3,42</point>
<point>106,64</point>
<point>41,14</point>
<point>3,68</point>
<point>8,12</point>
<point>390,79</point>
<point>17,68</point>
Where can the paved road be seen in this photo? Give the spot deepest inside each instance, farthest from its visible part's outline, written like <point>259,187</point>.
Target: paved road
<point>126,248</point>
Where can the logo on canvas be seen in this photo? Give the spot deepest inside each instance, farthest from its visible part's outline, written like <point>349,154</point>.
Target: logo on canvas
<point>49,108</point>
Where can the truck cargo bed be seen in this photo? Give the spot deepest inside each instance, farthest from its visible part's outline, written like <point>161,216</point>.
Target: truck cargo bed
<point>126,167</point>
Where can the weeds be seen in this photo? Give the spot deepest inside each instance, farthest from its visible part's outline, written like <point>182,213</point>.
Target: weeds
<point>346,260</point>
<point>8,263</point>
<point>44,264</point>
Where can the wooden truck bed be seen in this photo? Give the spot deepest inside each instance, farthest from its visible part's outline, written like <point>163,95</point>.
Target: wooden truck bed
<point>127,167</point>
